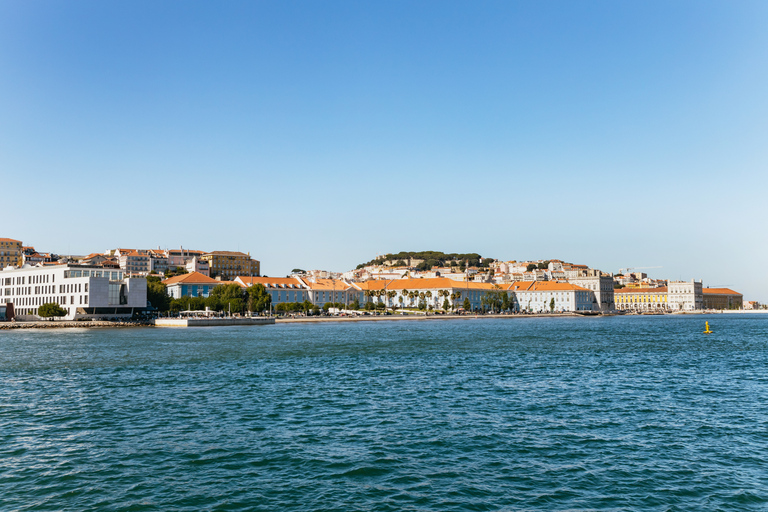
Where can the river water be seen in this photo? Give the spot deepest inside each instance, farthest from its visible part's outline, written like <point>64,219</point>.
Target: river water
<point>616,413</point>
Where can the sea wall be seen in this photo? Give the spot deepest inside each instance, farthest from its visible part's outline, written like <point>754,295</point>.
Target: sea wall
<point>68,324</point>
<point>211,322</point>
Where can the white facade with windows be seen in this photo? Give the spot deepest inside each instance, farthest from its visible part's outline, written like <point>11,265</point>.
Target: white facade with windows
<point>602,286</point>
<point>685,295</point>
<point>550,297</point>
<point>82,291</point>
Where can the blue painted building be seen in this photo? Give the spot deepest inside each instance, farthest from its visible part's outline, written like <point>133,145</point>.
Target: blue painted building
<point>193,284</point>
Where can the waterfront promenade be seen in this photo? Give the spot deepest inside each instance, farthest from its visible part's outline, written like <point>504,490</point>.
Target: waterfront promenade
<point>202,322</point>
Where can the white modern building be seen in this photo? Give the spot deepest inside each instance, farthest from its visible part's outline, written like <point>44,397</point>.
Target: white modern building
<point>83,291</point>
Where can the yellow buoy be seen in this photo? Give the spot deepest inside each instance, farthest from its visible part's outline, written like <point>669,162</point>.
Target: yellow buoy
<point>706,328</point>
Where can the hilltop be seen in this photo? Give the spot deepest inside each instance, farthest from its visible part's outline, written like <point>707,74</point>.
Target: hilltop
<point>425,260</point>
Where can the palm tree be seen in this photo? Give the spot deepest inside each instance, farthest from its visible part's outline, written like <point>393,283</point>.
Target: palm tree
<point>391,294</point>
<point>429,294</point>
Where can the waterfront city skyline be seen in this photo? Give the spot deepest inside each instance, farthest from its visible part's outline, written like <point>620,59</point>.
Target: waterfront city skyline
<point>324,134</point>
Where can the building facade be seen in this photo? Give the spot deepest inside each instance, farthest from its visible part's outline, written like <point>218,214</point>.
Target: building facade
<point>82,291</point>
<point>230,264</point>
<point>321,291</point>
<point>550,296</point>
<point>685,295</point>
<point>181,258</point>
<point>193,284</point>
<point>10,252</point>
<point>722,298</point>
<point>601,286</point>
<point>642,299</point>
<point>134,262</point>
<point>280,289</point>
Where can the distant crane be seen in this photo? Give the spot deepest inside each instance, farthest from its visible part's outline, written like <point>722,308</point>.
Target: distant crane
<point>621,270</point>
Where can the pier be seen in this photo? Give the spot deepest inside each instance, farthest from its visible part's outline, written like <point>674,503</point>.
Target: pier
<point>211,322</point>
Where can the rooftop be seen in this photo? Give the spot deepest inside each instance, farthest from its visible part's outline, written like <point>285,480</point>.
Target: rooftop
<point>191,278</point>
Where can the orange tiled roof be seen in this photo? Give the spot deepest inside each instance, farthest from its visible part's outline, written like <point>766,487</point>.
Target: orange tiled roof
<point>720,291</point>
<point>191,278</point>
<point>9,240</point>
<point>543,286</point>
<point>270,281</point>
<point>328,284</point>
<point>227,253</point>
<point>434,283</point>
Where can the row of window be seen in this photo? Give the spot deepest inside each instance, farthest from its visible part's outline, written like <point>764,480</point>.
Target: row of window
<point>39,301</point>
<point>37,290</point>
<point>33,279</point>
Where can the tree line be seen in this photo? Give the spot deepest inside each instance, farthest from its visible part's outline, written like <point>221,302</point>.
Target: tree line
<point>226,298</point>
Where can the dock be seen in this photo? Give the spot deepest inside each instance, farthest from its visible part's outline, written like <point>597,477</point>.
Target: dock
<point>211,322</point>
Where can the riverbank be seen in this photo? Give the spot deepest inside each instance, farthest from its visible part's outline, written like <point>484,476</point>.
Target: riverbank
<point>319,319</point>
<point>387,318</point>
<point>68,325</point>
<point>201,322</point>
<point>213,322</point>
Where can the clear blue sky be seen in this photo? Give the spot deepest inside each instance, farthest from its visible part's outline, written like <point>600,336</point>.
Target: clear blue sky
<point>320,134</point>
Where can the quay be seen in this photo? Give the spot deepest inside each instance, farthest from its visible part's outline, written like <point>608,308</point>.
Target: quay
<point>386,318</point>
<point>70,324</point>
<point>211,322</point>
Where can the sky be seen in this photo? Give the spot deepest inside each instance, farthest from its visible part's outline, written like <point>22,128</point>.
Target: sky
<point>318,135</point>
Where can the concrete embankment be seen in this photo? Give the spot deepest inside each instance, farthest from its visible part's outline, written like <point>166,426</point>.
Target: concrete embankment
<point>211,322</point>
<point>68,325</point>
<point>386,318</point>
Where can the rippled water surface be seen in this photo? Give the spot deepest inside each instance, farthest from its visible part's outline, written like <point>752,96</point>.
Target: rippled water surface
<point>617,413</point>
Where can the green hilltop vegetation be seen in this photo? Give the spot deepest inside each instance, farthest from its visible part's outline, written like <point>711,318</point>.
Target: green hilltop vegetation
<point>430,259</point>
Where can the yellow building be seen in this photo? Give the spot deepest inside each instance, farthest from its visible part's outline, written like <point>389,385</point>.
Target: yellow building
<point>10,252</point>
<point>230,264</point>
<point>641,299</point>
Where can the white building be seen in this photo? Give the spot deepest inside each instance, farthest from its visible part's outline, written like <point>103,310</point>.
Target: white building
<point>134,262</point>
<point>543,296</point>
<point>319,291</point>
<point>83,291</point>
<point>602,286</point>
<point>185,258</point>
<point>685,295</point>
